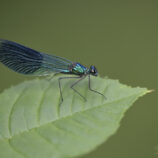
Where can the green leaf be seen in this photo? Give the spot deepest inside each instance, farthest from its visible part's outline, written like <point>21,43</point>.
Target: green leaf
<point>34,125</point>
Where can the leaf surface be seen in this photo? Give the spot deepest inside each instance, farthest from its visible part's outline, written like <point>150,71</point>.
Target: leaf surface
<point>33,124</point>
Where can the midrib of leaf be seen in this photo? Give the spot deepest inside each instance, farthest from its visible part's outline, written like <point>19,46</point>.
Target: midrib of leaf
<point>95,107</point>
<point>77,128</point>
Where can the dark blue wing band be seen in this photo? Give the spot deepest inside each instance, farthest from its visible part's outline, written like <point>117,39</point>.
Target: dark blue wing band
<point>19,58</point>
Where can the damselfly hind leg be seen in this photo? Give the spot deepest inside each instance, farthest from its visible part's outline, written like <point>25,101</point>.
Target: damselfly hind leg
<point>72,86</point>
<point>50,77</point>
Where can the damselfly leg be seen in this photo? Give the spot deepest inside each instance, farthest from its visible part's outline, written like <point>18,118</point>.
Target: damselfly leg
<point>72,86</point>
<point>89,86</point>
<point>75,83</point>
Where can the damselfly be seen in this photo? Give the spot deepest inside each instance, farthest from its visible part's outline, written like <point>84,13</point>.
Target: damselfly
<point>27,61</point>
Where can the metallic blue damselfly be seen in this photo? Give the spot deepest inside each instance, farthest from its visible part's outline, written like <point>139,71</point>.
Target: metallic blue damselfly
<point>27,61</point>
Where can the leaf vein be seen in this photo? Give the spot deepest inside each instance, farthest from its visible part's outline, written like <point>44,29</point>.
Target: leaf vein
<point>40,105</point>
<point>14,149</point>
<point>11,111</point>
<point>47,140</point>
<point>110,102</point>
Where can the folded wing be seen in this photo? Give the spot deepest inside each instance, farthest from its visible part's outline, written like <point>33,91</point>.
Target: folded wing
<point>28,61</point>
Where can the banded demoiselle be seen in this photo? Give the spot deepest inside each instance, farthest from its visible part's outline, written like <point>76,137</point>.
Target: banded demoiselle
<point>27,61</point>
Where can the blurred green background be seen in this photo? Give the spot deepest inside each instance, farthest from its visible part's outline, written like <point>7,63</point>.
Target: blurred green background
<point>118,36</point>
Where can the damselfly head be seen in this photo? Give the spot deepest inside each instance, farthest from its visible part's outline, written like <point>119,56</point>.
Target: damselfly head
<point>93,71</point>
